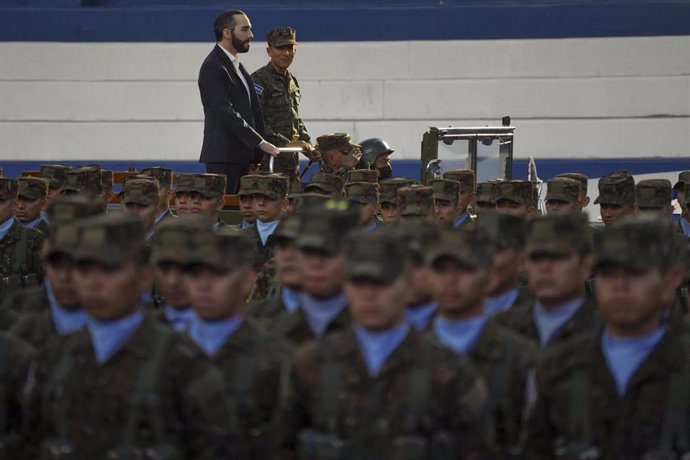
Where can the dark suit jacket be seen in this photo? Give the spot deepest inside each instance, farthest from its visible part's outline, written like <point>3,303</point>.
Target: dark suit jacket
<point>233,128</point>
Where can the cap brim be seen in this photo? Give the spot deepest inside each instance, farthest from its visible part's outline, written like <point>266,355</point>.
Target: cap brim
<point>608,199</point>
<point>451,253</point>
<point>369,270</point>
<point>510,198</point>
<point>559,197</point>
<point>623,259</point>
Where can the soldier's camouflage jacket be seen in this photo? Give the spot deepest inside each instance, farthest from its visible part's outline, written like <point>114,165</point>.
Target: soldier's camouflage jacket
<point>15,359</point>
<point>294,327</point>
<point>15,274</point>
<point>424,392</point>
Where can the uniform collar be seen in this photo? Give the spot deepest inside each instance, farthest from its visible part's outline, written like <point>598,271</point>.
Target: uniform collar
<point>320,312</point>
<point>179,318</point>
<point>211,335</point>
<point>459,335</point>
<point>108,337</point>
<point>377,346</point>
<point>420,315</point>
<point>65,321</point>
<point>501,302</point>
<point>5,227</point>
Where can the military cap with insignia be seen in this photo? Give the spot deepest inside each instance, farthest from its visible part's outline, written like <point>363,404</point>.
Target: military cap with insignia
<point>326,227</point>
<point>164,176</point>
<point>653,193</point>
<point>616,188</point>
<point>558,235</point>
<point>362,175</point>
<point>470,248</point>
<point>86,180</point>
<point>506,230</point>
<point>32,188</point>
<point>466,177</point>
<point>377,257</point>
<point>517,191</point>
<point>445,189</point>
<point>172,242</point>
<point>55,174</point>
<point>8,188</point>
<point>113,240</point>
<point>140,191</point>
<point>415,200</point>
<point>362,192</point>
<point>209,185</point>
<point>281,36</point>
<point>325,183</point>
<point>487,191</point>
<point>274,186</point>
<point>562,189</point>
<point>388,188</point>
<point>337,140</point>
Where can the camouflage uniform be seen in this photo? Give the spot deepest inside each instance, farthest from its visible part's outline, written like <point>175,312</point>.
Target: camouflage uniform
<point>209,185</point>
<point>33,188</point>
<point>618,189</point>
<point>328,142</point>
<point>15,359</point>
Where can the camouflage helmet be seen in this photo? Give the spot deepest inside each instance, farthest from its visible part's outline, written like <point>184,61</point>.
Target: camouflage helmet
<point>224,250</point>
<point>69,209</point>
<point>487,191</point>
<point>326,227</point>
<point>248,184</point>
<point>683,178</point>
<point>331,141</point>
<point>140,191</point>
<point>309,200</point>
<point>107,181</point>
<point>506,230</point>
<point>581,178</point>
<point>653,193</point>
<point>372,148</point>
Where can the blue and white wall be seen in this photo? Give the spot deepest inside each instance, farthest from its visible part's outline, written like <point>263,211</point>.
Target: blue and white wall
<point>589,85</point>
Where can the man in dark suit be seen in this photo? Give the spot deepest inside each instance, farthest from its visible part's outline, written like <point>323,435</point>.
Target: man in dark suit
<point>233,124</point>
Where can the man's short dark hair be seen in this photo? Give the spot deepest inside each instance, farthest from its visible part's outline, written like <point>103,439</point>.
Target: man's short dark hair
<point>225,20</point>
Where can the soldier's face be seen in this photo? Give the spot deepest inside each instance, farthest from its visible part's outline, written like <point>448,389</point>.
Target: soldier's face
<point>445,212</point>
<point>282,57</point>
<point>170,279</point>
<point>611,213</point>
<point>559,207</point>
<point>6,209</point>
<point>458,289</point>
<point>286,259</point>
<point>376,306</point>
<point>367,214</point>
<point>200,204</point>
<point>59,271</point>
<point>419,289</point>
<point>508,263</point>
<point>146,213</point>
<point>556,279</point>
<point>633,301</point>
<point>182,203</point>
<point>389,212</point>
<point>322,273</point>
<point>268,209</point>
<point>247,208</point>
<point>108,293</point>
<point>28,210</point>
<point>217,295</point>
<point>512,208</point>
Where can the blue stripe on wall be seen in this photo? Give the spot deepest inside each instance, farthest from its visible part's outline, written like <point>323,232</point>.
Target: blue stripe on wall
<point>357,21</point>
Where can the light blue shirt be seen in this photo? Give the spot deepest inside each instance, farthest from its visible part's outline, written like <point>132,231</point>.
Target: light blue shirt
<point>108,337</point>
<point>460,219</point>
<point>624,356</point>
<point>502,302</point>
<point>33,224</point>
<point>460,336</point>
<point>685,225</point>
<point>5,227</point>
<point>179,318</point>
<point>245,224</point>
<point>44,216</point>
<point>320,312</point>
<point>420,316</point>
<point>211,335</point>
<point>377,347</point>
<point>65,321</point>
<point>550,321</point>
<point>266,229</point>
<point>290,299</point>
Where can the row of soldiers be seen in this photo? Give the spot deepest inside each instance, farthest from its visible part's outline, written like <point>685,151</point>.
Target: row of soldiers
<point>324,326</point>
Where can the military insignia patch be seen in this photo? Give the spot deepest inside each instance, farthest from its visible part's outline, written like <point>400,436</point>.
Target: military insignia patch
<point>259,89</point>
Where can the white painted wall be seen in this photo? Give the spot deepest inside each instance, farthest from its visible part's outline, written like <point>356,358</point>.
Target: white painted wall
<point>606,98</point>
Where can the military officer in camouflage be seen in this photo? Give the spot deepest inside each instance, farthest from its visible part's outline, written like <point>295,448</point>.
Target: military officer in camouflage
<point>559,262</point>
<point>460,276</point>
<point>445,195</point>
<point>621,391</point>
<point>338,153</point>
<point>616,196</point>
<point>246,197</point>
<point>140,198</point>
<point>416,201</point>
<point>20,247</point>
<point>583,199</point>
<point>388,197</point>
<point>562,195</point>
<point>366,196</point>
<point>124,386</point>
<point>164,176</point>
<point>203,194</point>
<point>32,195</point>
<point>486,197</point>
<point>515,197</point>
<point>654,195</point>
<point>466,195</point>
<point>379,389</point>
<point>219,273</point>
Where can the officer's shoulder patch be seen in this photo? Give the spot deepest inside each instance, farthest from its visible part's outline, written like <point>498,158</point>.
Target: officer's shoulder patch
<point>259,89</point>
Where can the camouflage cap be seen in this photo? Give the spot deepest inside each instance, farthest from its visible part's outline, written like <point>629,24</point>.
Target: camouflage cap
<point>388,188</point>
<point>209,185</point>
<point>653,193</point>
<point>224,250</point>
<point>616,188</point>
<point>328,183</point>
<point>683,178</point>
<point>445,189</point>
<point>281,36</point>
<point>518,191</point>
<point>639,241</point>
<point>506,230</point>
<point>273,186</point>
<point>248,184</point>
<point>85,180</point>
<point>172,241</point>
<point>470,248</point>
<point>378,257</point>
<point>326,227</point>
<point>295,187</point>
<point>560,235</point>
<point>466,178</point>
<point>362,175</point>
<point>140,191</point>
<point>107,181</point>
<point>562,189</point>
<point>8,188</point>
<point>62,240</point>
<point>419,235</point>
<point>69,209</point>
<point>113,240</point>
<point>288,229</point>
<point>32,188</point>
<point>55,174</point>
<point>362,192</point>
<point>164,176</point>
<point>415,200</point>
<point>581,178</point>
<point>487,191</point>
<point>309,200</point>
<point>331,141</point>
